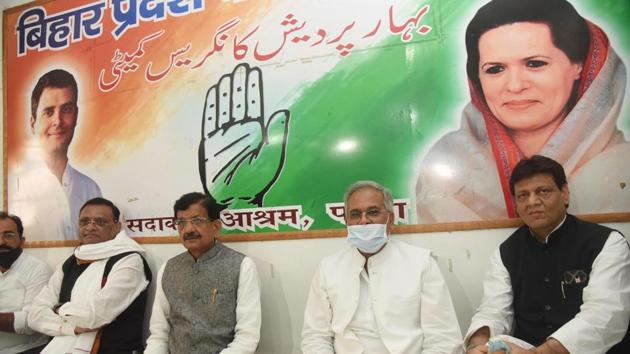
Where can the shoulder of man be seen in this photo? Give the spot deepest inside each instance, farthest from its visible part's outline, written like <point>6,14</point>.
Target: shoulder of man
<point>340,260</point>
<point>35,264</point>
<point>83,180</point>
<point>591,226</point>
<point>516,238</point>
<point>408,248</point>
<point>227,250</point>
<point>113,260</point>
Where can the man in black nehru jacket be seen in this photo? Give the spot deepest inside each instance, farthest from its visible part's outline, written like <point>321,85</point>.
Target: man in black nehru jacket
<point>559,283</point>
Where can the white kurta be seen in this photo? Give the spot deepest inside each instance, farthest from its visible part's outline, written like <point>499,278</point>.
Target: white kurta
<point>49,209</point>
<point>411,303</point>
<point>18,287</point>
<point>90,306</point>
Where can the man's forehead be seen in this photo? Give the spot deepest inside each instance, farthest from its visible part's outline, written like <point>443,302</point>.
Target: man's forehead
<point>94,210</point>
<point>50,91</point>
<point>7,225</point>
<point>364,198</point>
<point>537,180</point>
<point>196,209</point>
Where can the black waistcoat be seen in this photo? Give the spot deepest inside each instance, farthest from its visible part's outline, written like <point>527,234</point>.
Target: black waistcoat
<point>548,279</point>
<point>124,333</point>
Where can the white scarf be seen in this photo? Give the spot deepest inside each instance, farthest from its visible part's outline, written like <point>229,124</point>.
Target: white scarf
<point>82,343</point>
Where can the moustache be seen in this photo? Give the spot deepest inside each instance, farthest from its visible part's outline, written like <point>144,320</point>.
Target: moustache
<point>191,236</point>
<point>6,248</point>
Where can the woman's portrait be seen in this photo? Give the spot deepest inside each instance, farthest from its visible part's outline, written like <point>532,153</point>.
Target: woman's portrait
<point>543,80</point>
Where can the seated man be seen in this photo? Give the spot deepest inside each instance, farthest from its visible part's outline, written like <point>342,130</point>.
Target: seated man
<point>95,300</point>
<point>378,295</point>
<point>207,299</point>
<point>558,283</point>
<point>21,278</point>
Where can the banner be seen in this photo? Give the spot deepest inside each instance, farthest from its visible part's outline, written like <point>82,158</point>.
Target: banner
<point>274,108</point>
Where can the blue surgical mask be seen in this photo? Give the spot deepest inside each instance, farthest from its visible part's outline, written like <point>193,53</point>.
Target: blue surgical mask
<point>368,238</point>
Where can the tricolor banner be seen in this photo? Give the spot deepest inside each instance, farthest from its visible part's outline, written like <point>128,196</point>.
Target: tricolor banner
<point>274,107</point>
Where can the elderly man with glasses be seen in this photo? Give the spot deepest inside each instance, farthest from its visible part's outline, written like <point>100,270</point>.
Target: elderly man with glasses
<point>21,278</point>
<point>378,295</point>
<point>95,300</point>
<point>558,284</point>
<point>207,299</point>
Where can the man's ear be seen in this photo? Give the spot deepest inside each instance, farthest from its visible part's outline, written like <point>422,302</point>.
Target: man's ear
<point>117,227</point>
<point>390,223</point>
<point>565,194</point>
<point>32,121</point>
<point>217,225</point>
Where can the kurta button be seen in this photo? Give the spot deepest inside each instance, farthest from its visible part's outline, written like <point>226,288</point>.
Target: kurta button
<point>547,307</point>
<point>546,279</point>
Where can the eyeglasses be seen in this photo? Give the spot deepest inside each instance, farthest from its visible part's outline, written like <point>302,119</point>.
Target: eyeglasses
<point>100,222</point>
<point>197,221</point>
<point>370,214</point>
<point>541,192</point>
<point>8,236</point>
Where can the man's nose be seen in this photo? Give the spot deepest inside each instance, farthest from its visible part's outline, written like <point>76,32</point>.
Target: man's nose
<point>188,226</point>
<point>55,118</point>
<point>364,219</point>
<point>91,225</point>
<point>533,199</point>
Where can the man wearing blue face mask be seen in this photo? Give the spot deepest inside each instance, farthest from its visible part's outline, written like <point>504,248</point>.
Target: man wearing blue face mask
<point>378,295</point>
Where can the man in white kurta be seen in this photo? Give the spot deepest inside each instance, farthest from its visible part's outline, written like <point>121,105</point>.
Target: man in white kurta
<point>378,295</point>
<point>43,188</point>
<point>22,276</point>
<point>97,302</point>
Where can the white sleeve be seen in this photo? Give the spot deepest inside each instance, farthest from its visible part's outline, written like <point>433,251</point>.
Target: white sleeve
<point>495,311</point>
<point>125,282</point>
<point>36,280</point>
<point>317,333</point>
<point>41,316</point>
<point>605,311</point>
<point>159,326</point>
<point>248,313</point>
<point>437,316</point>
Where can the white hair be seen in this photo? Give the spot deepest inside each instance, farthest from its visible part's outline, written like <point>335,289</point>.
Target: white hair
<point>388,200</point>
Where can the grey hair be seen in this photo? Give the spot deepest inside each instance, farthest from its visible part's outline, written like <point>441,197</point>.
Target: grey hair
<point>388,200</point>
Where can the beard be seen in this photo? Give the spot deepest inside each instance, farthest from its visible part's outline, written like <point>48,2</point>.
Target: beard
<point>8,255</point>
